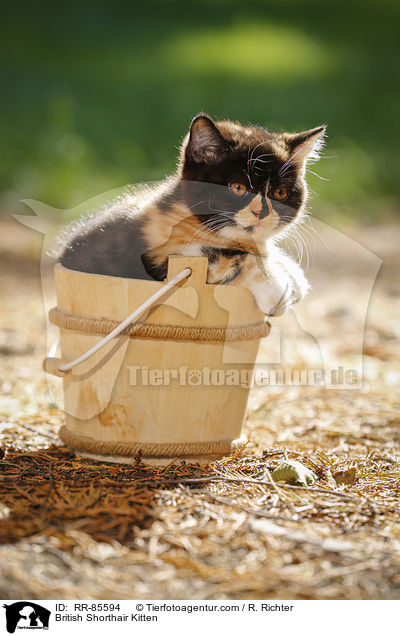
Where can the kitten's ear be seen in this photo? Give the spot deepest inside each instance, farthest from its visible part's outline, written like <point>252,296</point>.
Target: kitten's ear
<point>305,146</point>
<point>205,141</point>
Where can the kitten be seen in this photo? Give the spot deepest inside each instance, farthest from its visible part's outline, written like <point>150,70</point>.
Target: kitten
<point>235,190</point>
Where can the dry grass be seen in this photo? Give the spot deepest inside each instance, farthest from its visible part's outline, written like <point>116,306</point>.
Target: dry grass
<point>88,530</point>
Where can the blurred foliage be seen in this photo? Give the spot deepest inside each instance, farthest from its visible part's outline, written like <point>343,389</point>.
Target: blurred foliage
<point>99,94</point>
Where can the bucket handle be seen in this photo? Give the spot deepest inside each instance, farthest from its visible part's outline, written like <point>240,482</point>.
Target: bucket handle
<point>59,367</point>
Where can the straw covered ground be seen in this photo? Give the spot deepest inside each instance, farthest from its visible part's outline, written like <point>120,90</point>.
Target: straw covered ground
<point>73,528</point>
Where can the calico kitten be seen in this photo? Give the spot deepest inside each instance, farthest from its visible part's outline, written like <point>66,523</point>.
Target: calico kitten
<point>235,190</point>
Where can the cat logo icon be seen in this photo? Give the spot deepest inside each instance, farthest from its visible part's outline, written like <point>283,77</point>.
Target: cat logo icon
<point>26,615</point>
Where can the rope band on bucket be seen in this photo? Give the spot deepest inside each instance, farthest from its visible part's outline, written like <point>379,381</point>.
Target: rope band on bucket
<point>160,332</point>
<point>81,442</point>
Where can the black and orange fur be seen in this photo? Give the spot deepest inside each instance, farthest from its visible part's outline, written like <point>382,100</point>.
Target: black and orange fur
<point>236,188</point>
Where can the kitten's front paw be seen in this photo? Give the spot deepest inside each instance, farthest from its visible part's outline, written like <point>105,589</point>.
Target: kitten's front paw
<point>274,300</point>
<point>274,296</point>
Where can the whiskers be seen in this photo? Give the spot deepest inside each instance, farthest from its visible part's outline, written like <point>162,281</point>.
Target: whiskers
<point>253,162</point>
<point>208,228</point>
<point>198,225</point>
<point>200,233</point>
<point>317,175</point>
<point>285,167</point>
<point>296,238</point>
<point>215,224</point>
<point>301,239</point>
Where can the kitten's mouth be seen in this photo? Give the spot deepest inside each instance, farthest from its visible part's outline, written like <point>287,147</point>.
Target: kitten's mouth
<point>257,224</point>
<point>260,226</point>
<point>253,227</point>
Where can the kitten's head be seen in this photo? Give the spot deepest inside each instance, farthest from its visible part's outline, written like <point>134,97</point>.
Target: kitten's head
<point>243,181</point>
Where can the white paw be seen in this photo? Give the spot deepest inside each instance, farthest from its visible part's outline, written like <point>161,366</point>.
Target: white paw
<point>272,299</point>
<point>274,296</point>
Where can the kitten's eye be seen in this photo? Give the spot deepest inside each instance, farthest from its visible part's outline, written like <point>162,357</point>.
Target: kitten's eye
<point>238,188</point>
<point>280,193</point>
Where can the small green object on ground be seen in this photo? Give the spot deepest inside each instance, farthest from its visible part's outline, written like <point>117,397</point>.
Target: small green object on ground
<point>293,472</point>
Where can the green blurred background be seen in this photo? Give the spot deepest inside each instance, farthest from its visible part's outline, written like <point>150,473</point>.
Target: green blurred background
<point>99,94</point>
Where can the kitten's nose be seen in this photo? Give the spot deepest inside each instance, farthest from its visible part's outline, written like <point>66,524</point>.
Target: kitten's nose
<point>256,206</point>
<point>260,207</point>
<point>266,208</point>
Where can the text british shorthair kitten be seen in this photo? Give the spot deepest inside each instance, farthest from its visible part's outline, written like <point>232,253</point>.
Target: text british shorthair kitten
<point>235,190</point>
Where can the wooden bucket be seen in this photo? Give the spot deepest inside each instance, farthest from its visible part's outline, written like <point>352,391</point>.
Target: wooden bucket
<point>175,387</point>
